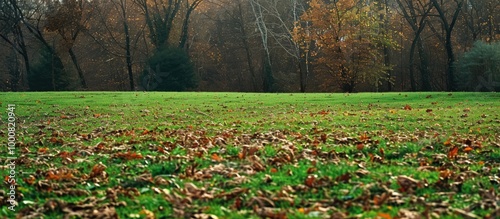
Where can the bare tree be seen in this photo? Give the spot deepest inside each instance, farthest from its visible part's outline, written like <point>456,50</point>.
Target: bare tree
<point>448,25</point>
<point>415,13</point>
<point>69,19</point>
<point>282,17</point>
<point>121,5</point>
<point>160,17</point>
<point>267,76</point>
<point>11,19</point>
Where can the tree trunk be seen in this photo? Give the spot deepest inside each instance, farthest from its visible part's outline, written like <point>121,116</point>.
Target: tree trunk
<point>267,74</point>
<point>127,47</point>
<point>268,79</point>
<point>424,67</point>
<point>248,53</point>
<point>412,61</point>
<point>450,62</point>
<point>448,27</point>
<point>83,83</point>
<point>185,24</point>
<point>302,75</point>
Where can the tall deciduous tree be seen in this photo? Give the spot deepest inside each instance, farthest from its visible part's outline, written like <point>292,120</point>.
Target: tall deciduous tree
<point>480,18</point>
<point>276,20</point>
<point>116,35</point>
<point>415,12</point>
<point>122,7</point>
<point>35,19</point>
<point>69,18</point>
<point>11,18</point>
<point>160,16</point>
<point>267,67</point>
<point>448,24</point>
<point>348,41</point>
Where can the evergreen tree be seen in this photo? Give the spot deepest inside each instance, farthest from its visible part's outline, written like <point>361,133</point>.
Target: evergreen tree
<point>48,73</point>
<point>169,69</point>
<point>480,68</point>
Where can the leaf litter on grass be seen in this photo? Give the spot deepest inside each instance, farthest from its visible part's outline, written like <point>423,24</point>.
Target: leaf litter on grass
<point>198,168</point>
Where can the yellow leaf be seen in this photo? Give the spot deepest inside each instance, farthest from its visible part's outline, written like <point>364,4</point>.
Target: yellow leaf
<point>147,214</point>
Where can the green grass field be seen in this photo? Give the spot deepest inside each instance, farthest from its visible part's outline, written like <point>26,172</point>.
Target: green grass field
<point>237,155</point>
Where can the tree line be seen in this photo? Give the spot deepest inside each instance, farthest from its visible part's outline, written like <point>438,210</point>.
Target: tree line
<point>250,45</point>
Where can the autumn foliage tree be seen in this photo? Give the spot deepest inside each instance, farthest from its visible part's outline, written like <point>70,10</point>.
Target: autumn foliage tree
<point>68,18</point>
<point>348,41</point>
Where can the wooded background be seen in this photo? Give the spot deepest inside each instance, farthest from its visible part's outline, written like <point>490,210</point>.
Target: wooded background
<point>250,45</point>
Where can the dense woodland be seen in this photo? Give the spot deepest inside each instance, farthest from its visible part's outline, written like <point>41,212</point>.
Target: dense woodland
<point>250,45</point>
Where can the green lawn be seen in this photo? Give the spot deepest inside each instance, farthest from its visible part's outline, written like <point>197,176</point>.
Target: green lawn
<point>239,155</point>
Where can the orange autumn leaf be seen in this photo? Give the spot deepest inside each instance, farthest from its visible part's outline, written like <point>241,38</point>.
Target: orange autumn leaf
<point>97,170</point>
<point>360,146</point>
<point>42,150</point>
<point>344,178</point>
<point>30,180</point>
<point>57,176</point>
<point>97,115</point>
<point>447,142</point>
<point>198,154</point>
<point>384,216</point>
<point>161,149</point>
<point>315,153</point>
<point>364,137</point>
<point>252,150</point>
<point>315,142</point>
<point>381,152</point>
<point>238,203</point>
<point>53,140</point>
<point>273,170</point>
<point>376,200</point>
<point>445,174</point>
<point>216,157</point>
<point>130,133</point>
<point>468,149</point>
<point>323,112</point>
<point>65,154</point>
<point>312,170</point>
<point>453,152</point>
<point>310,180</point>
<point>241,156</point>
<point>407,107</point>
<point>323,138</point>
<point>99,146</point>
<point>128,156</point>
<point>301,210</point>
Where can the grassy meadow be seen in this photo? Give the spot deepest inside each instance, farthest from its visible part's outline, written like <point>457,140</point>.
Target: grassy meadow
<point>240,155</point>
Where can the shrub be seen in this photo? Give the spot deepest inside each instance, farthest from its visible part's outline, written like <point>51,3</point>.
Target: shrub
<point>480,68</point>
<point>169,69</point>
